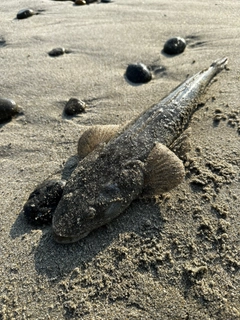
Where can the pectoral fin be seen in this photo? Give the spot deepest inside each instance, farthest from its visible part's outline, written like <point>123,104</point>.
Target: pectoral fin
<point>163,171</point>
<point>94,136</point>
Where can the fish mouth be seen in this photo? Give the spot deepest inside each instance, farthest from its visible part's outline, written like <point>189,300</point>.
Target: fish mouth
<point>68,239</point>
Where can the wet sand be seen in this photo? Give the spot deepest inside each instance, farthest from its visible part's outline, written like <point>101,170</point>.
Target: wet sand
<point>174,257</point>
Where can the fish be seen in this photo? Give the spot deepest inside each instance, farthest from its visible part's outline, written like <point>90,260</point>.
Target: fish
<point>120,165</point>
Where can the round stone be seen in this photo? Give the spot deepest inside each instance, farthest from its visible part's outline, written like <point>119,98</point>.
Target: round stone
<point>74,106</point>
<point>43,201</point>
<point>80,2</point>
<point>174,45</point>
<point>138,73</point>
<point>25,13</point>
<point>56,52</point>
<point>8,108</point>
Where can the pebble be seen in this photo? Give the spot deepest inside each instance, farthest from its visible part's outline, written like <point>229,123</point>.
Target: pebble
<point>8,108</point>
<point>43,201</point>
<point>138,73</point>
<point>174,45</point>
<point>80,2</point>
<point>57,52</point>
<point>74,106</point>
<point>25,13</point>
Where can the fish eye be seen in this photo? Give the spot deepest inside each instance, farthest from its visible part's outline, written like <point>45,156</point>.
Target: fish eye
<point>91,213</point>
<point>111,189</point>
<point>108,193</point>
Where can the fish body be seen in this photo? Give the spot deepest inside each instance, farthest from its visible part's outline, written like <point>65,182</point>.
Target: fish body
<point>109,178</point>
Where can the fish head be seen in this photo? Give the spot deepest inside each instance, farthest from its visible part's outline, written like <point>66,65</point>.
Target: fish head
<point>90,204</point>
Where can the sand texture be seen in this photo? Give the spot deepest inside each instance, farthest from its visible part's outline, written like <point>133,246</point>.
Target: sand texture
<point>175,257</point>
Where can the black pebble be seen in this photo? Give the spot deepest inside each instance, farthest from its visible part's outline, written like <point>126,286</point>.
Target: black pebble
<point>57,52</point>
<point>138,73</point>
<point>174,45</point>
<point>106,1</point>
<point>74,106</point>
<point>8,108</point>
<point>25,13</point>
<point>43,201</point>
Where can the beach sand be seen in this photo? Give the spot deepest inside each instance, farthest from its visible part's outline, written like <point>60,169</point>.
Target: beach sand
<point>175,257</point>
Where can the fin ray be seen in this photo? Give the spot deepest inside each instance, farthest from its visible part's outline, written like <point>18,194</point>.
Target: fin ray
<point>163,171</point>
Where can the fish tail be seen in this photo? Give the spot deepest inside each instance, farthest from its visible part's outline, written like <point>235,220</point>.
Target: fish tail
<point>220,64</point>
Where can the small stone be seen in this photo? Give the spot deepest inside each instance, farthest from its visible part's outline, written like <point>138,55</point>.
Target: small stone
<point>74,106</point>
<point>80,2</point>
<point>25,13</point>
<point>56,52</point>
<point>106,1</point>
<point>43,201</point>
<point>174,45</point>
<point>138,73</point>
<point>8,108</point>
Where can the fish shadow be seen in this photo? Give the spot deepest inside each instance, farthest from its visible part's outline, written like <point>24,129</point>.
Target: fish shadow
<point>21,227</point>
<point>55,261</point>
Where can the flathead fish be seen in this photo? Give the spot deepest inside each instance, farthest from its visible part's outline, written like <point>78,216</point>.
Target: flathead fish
<point>119,166</point>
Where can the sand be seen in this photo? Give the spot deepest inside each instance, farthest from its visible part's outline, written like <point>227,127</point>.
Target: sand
<point>175,257</point>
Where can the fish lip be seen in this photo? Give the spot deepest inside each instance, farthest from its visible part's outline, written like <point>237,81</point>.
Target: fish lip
<point>68,239</point>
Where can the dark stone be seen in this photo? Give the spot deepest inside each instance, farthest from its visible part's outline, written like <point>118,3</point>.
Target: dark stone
<point>43,201</point>
<point>80,2</point>
<point>56,52</point>
<point>8,108</point>
<point>138,73</point>
<point>174,45</point>
<point>25,13</point>
<point>74,106</point>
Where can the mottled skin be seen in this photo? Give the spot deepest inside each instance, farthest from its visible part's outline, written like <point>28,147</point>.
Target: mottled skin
<point>109,178</point>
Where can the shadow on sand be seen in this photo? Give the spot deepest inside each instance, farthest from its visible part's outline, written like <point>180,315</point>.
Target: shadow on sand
<point>55,260</point>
